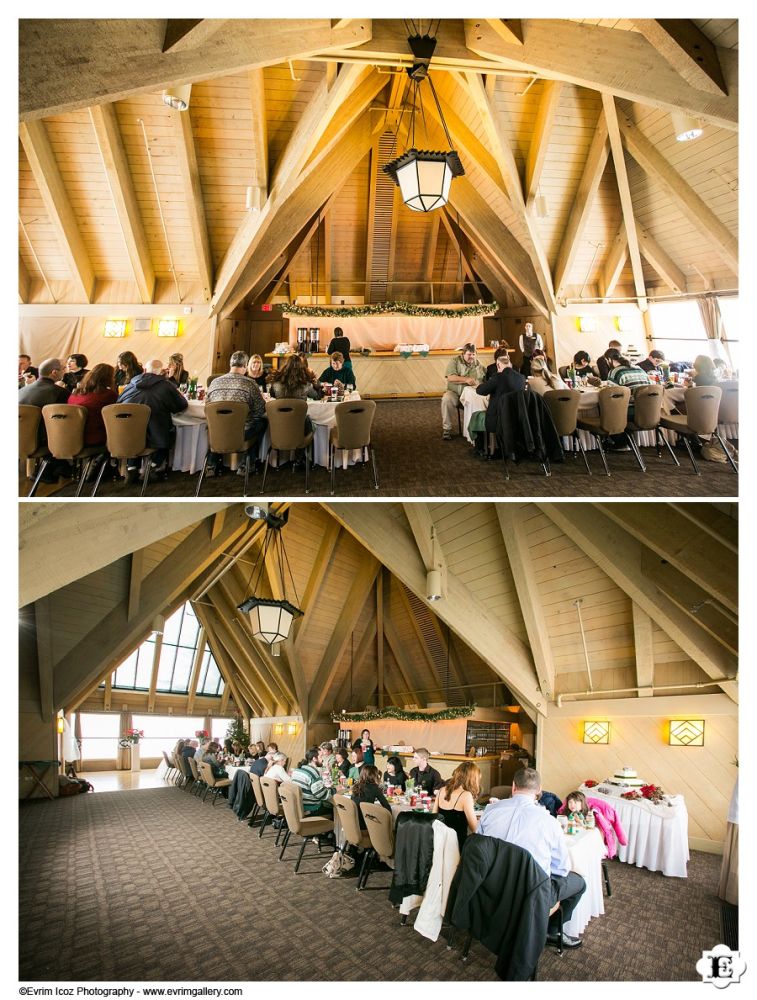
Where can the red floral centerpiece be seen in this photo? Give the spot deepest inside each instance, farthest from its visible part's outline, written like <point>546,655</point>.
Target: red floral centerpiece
<point>653,793</point>
<point>202,734</point>
<point>590,783</point>
<point>133,735</point>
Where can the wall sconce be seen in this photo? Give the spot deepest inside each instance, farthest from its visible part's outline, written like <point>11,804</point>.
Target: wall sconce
<point>61,725</point>
<point>624,324</point>
<point>278,729</point>
<point>115,328</point>
<point>586,324</point>
<point>292,729</point>
<point>597,732</point>
<point>168,328</point>
<point>686,733</point>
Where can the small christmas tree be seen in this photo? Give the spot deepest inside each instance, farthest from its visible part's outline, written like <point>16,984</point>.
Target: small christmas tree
<point>236,730</point>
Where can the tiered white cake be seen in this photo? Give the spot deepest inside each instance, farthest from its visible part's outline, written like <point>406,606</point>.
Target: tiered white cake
<point>627,778</point>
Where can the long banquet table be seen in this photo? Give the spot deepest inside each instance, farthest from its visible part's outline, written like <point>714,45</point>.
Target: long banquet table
<point>658,834</point>
<point>192,435</point>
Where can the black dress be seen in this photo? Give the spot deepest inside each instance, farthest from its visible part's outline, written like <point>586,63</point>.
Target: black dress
<point>457,821</point>
<point>396,780</point>
<point>369,793</point>
<point>341,344</point>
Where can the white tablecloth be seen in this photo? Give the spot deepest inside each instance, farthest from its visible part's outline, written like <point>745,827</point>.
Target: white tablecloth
<point>586,849</point>
<point>323,415</point>
<point>658,835</point>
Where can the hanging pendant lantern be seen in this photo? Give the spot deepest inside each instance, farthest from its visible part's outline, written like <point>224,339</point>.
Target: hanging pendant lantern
<point>270,620</point>
<point>423,176</point>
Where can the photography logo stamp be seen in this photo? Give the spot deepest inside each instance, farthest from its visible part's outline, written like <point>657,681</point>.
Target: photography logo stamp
<point>721,966</point>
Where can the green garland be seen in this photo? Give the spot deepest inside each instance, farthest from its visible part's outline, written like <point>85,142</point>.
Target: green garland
<point>387,308</point>
<point>403,715</point>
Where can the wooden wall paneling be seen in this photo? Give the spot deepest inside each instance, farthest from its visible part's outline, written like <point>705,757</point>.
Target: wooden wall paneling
<point>190,175</point>
<point>539,145</point>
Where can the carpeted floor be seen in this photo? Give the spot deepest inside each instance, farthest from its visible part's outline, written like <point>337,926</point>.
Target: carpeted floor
<point>154,885</point>
<point>413,461</point>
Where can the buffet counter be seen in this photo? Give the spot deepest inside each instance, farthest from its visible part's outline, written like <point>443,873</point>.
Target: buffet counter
<point>388,375</point>
<point>445,764</point>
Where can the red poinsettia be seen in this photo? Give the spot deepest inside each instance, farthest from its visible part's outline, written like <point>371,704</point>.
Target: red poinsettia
<point>590,783</point>
<point>652,792</point>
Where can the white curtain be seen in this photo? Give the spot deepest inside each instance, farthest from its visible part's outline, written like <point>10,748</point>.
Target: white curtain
<point>43,337</point>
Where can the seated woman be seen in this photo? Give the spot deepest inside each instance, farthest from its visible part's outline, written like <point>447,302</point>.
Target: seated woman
<point>95,391</point>
<point>584,368</point>
<point>456,800</point>
<point>277,768</point>
<point>294,381</point>
<point>339,372</point>
<point>256,371</point>
<point>176,372</point>
<point>341,761</point>
<point>605,818</point>
<point>395,773</point>
<point>127,367</point>
<point>211,756</point>
<point>76,369</point>
<point>541,378</point>
<point>356,762</point>
<point>368,789</point>
<point>704,371</point>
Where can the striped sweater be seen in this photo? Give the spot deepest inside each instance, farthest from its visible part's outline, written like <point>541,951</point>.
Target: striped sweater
<point>314,791</point>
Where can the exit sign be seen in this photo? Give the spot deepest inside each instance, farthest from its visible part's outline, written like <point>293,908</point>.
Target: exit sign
<point>267,307</point>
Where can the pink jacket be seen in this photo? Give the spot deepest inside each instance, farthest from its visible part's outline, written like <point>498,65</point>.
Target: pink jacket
<point>609,825</point>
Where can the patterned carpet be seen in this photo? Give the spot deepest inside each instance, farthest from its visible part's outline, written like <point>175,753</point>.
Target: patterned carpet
<point>413,461</point>
<point>155,885</point>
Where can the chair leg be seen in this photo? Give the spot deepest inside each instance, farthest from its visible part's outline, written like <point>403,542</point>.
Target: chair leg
<point>202,475</point>
<point>606,877</point>
<point>146,476</point>
<point>727,453</point>
<point>105,463</point>
<point>635,449</point>
<point>332,461</point>
<point>299,856</point>
<point>691,454</point>
<point>466,947</point>
<point>501,444</point>
<point>362,869</point>
<point>83,473</point>
<point>42,466</point>
<point>661,437</point>
<point>284,844</point>
<point>307,472</point>
<point>265,469</point>
<point>366,869</point>
<point>373,463</point>
<point>579,442</point>
<point>546,467</point>
<point>266,814</point>
<point>246,472</point>
<point>602,454</point>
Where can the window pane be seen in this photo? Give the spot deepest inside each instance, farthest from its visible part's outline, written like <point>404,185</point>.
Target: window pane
<point>190,628</point>
<point>165,670</point>
<point>100,733</point>
<point>182,669</point>
<point>144,666</point>
<point>124,675</point>
<point>162,731</point>
<point>210,677</point>
<point>172,628</point>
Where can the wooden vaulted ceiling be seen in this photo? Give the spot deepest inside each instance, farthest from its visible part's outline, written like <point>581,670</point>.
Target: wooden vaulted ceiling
<point>657,618</point>
<point>122,199</point>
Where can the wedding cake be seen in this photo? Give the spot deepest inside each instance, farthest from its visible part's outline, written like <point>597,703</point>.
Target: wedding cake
<point>627,777</point>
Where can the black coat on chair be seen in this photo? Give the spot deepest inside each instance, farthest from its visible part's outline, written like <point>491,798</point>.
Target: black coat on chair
<point>497,386</point>
<point>524,427</point>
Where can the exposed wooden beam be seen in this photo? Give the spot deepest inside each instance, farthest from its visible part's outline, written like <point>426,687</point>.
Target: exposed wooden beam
<point>326,226</point>
<point>596,535</point>
<point>366,641</point>
<point>192,185</point>
<point>380,632</point>
<point>229,650</point>
<point>47,88</point>
<point>259,174</point>
<point>348,619</point>
<point>713,522</point>
<point>539,145</point>
<point>371,221</point>
<point>24,282</point>
<point>510,29</point>
<point>404,665</point>
<point>495,127</point>
<point>594,167</point>
<point>678,540</point>
<point>217,523</point>
<point>182,34</point>
<point>44,629</point>
<point>611,61</point>
<point>431,663</point>
<point>153,689</point>
<point>389,538</point>
<point>458,240</point>
<point>626,202</point>
<point>41,525</point>
<point>116,165</point>
<point>499,243</point>
<point>424,532</point>
<point>226,697</point>
<point>644,650</point>
<point>108,694</point>
<point>48,178</point>
<point>669,271</point>
<point>136,569</point>
<point>519,556</point>
<point>688,50</point>
<point>429,252</point>
<point>704,220</point>
<point>315,580</point>
<point>614,263</point>
<point>114,637</point>
<point>194,676</point>
<point>227,666</point>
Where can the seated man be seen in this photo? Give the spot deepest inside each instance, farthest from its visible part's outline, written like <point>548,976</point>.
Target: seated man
<point>26,372</point>
<point>652,361</point>
<point>40,393</point>
<point>316,797</point>
<point>505,380</point>
<point>491,370</point>
<point>237,387</point>
<point>520,820</point>
<point>622,372</point>
<point>277,770</point>
<point>584,368</point>
<point>461,371</point>
<point>261,764</point>
<point>423,774</point>
<point>339,372</point>
<point>190,749</point>
<point>156,391</point>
